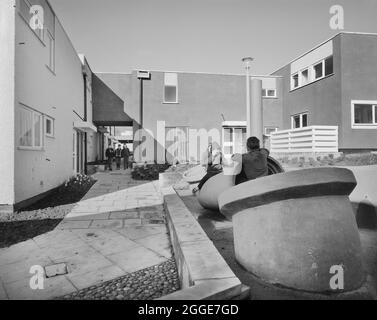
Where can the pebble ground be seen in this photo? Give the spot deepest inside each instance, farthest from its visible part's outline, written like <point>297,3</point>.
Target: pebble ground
<point>146,284</point>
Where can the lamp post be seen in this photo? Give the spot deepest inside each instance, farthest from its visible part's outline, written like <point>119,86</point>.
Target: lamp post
<point>247,62</point>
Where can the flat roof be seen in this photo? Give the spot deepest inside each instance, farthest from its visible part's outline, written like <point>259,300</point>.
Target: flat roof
<point>322,43</point>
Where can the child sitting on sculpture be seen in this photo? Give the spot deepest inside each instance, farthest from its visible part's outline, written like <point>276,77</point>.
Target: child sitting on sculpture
<point>254,162</point>
<point>213,160</point>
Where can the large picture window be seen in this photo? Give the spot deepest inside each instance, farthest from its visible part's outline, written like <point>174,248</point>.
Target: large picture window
<point>364,114</point>
<point>30,126</point>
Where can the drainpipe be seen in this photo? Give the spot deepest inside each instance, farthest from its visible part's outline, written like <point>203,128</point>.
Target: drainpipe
<point>85,134</point>
<point>141,117</point>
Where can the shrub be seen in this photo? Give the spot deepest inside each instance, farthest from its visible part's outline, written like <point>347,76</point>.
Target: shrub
<point>148,171</point>
<point>77,183</point>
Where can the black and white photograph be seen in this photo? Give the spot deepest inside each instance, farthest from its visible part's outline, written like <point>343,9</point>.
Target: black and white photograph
<point>163,154</point>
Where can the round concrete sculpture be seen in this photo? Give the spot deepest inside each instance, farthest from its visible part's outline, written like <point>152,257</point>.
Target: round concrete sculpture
<point>194,174</point>
<point>291,229</point>
<point>208,196</point>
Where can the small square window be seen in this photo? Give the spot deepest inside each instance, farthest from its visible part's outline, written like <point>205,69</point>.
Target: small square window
<point>171,88</point>
<point>329,66</point>
<point>269,130</point>
<point>49,126</point>
<point>170,94</point>
<point>318,70</point>
<point>299,120</point>
<point>363,113</point>
<point>295,80</point>
<point>296,122</point>
<point>264,93</point>
<point>304,77</point>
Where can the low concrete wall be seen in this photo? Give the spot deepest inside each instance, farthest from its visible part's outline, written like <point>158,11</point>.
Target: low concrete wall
<point>204,274</point>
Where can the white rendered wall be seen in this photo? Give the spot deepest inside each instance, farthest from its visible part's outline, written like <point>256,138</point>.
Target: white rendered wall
<point>55,95</point>
<point>7,38</point>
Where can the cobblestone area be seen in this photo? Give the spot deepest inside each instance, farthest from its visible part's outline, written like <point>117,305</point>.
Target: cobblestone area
<point>146,284</point>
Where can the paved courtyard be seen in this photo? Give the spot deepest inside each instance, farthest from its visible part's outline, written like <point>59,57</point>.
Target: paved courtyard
<point>116,229</point>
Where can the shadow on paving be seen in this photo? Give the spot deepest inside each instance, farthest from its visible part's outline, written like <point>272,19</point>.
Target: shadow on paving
<point>18,231</point>
<point>220,232</point>
<point>40,217</point>
<point>59,197</point>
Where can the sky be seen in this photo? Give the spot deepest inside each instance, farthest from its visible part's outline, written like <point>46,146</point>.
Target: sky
<point>203,35</point>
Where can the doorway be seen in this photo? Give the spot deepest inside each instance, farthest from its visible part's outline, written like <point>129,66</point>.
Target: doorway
<point>78,152</point>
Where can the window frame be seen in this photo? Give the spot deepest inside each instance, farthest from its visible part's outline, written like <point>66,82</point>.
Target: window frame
<point>176,90</point>
<point>372,125</point>
<point>269,127</point>
<point>265,95</point>
<point>293,81</point>
<point>311,73</point>
<point>322,62</point>
<point>51,57</point>
<point>231,144</point>
<point>301,77</point>
<point>301,115</point>
<point>33,147</point>
<point>52,134</point>
<point>40,36</point>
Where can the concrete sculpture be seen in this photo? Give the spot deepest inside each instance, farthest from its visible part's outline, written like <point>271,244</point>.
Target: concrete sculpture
<point>208,196</point>
<point>291,229</point>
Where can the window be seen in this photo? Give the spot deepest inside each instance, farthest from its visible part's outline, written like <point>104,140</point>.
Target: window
<point>295,80</point>
<point>49,127</point>
<point>30,128</point>
<point>364,114</point>
<point>25,6</point>
<point>312,73</point>
<point>51,51</point>
<point>299,121</point>
<point>318,70</point>
<point>47,33</point>
<point>171,88</point>
<point>269,130</point>
<point>329,68</point>
<point>234,140</point>
<point>269,93</point>
<point>304,77</point>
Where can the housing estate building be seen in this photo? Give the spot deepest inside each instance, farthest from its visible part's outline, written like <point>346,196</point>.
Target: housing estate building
<point>46,101</point>
<point>58,116</point>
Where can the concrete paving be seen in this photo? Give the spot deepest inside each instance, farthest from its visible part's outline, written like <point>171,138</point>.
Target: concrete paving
<point>117,228</point>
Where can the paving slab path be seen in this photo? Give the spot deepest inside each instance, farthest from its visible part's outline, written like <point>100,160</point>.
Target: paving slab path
<point>116,229</point>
